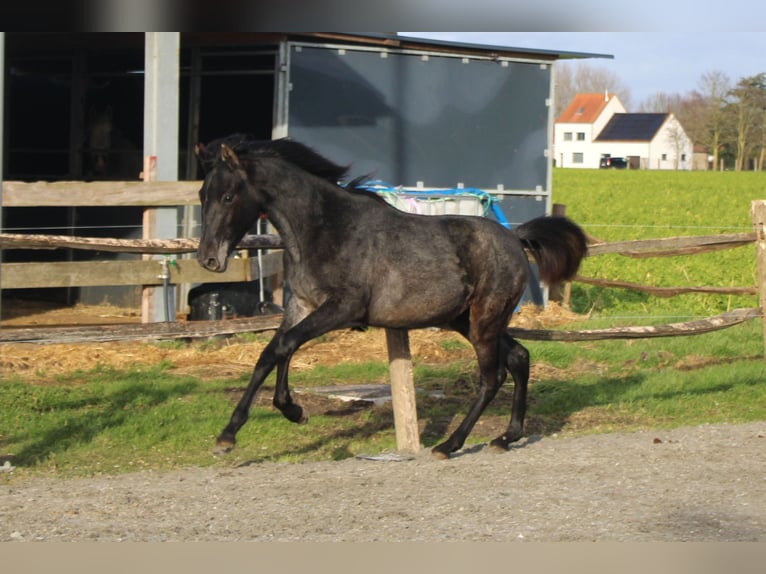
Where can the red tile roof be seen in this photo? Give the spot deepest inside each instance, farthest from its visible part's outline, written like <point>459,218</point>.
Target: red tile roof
<point>584,108</point>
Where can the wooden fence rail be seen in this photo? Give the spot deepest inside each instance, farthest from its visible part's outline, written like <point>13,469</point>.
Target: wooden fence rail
<point>138,272</point>
<point>665,291</point>
<point>669,246</point>
<point>203,329</point>
<point>149,246</point>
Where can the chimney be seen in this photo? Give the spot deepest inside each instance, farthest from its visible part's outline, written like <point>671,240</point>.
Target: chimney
<point>606,95</point>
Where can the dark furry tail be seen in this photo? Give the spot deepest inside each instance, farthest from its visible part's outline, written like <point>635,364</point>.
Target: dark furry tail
<point>557,244</point>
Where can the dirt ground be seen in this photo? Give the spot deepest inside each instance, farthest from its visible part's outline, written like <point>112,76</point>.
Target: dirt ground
<point>705,483</point>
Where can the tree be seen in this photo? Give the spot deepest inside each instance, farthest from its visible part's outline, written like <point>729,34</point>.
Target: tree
<point>714,87</point>
<point>582,78</point>
<point>747,108</point>
<point>701,112</point>
<point>662,103</point>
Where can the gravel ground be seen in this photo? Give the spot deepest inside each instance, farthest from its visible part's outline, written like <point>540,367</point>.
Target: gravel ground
<point>705,483</point>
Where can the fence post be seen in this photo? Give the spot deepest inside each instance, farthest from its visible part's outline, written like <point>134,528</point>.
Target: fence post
<point>403,391</point>
<point>758,210</point>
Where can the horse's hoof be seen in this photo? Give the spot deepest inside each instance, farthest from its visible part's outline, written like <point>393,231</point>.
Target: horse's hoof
<point>296,414</point>
<point>499,445</point>
<point>503,442</point>
<point>440,452</point>
<point>223,446</point>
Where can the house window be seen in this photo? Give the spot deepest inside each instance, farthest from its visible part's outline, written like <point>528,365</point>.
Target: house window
<point>683,157</point>
<point>577,157</point>
<point>580,136</point>
<point>664,157</point>
<point>567,136</point>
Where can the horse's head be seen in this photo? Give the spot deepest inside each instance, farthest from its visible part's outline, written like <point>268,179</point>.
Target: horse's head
<point>228,208</point>
<point>99,135</point>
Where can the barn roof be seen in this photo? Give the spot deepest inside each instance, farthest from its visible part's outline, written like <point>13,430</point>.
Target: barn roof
<point>632,127</point>
<point>584,108</point>
<point>59,40</point>
<point>394,41</point>
<point>500,50</point>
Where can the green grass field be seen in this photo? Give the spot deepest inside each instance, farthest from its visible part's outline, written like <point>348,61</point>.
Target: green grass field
<point>118,420</point>
<point>617,205</point>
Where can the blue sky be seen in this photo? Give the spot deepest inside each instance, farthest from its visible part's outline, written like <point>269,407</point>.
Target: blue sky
<point>646,62</point>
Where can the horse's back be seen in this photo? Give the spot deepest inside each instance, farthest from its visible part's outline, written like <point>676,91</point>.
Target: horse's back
<point>433,268</point>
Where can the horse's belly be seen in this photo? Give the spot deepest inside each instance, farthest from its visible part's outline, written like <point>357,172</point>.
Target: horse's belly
<point>428,305</point>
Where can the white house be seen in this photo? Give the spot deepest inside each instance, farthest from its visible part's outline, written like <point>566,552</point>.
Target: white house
<point>594,126</point>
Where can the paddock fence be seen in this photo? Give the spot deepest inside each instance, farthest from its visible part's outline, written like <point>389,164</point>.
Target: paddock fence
<point>146,273</point>
<point>153,194</point>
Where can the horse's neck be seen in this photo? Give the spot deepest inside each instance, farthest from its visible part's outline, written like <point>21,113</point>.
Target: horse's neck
<point>297,207</point>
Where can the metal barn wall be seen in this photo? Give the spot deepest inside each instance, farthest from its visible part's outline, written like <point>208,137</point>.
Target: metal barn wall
<point>427,121</point>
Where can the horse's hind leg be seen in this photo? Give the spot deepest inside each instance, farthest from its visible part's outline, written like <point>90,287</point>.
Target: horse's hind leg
<point>517,362</point>
<point>491,381</point>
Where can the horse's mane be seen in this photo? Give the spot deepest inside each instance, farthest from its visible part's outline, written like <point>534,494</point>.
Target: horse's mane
<point>294,152</point>
<point>246,146</point>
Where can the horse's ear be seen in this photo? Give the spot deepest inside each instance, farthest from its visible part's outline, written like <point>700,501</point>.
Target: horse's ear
<point>229,157</point>
<point>200,151</point>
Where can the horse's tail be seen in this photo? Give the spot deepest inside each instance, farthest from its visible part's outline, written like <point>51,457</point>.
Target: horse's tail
<point>557,244</point>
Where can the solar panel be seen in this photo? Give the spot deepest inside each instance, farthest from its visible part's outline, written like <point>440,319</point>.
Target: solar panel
<point>632,127</point>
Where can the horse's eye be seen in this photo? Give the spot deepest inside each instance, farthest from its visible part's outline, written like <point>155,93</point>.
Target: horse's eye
<point>228,198</point>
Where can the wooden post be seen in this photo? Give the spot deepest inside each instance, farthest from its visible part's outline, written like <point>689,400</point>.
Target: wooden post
<point>758,210</point>
<point>403,391</point>
<point>149,226</point>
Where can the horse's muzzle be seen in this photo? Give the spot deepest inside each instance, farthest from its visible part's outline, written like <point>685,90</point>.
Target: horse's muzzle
<point>212,264</point>
<point>213,259</point>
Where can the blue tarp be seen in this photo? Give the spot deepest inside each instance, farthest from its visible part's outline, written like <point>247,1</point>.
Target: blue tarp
<point>487,200</point>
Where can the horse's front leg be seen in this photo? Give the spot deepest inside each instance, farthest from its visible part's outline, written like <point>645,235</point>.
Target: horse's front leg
<point>329,316</point>
<point>282,399</point>
<point>267,360</point>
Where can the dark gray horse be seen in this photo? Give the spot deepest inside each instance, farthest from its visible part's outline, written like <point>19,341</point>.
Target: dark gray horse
<point>352,260</point>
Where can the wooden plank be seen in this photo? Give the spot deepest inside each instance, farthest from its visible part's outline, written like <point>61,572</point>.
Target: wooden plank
<point>665,291</point>
<point>403,391</point>
<point>672,245</point>
<point>156,246</point>
<point>100,193</point>
<point>194,329</point>
<point>716,323</point>
<point>139,331</point>
<point>138,272</point>
<point>758,210</point>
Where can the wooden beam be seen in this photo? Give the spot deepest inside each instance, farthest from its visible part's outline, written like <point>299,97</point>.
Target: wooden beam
<point>171,330</point>
<point>139,331</point>
<point>100,193</point>
<point>156,246</point>
<point>136,272</point>
<point>665,291</point>
<point>672,245</point>
<point>716,323</point>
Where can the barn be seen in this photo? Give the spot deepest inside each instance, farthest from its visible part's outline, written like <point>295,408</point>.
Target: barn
<point>420,115</point>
